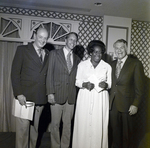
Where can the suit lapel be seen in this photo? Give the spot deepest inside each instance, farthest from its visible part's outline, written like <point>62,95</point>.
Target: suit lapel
<point>74,62</point>
<point>46,56</point>
<point>124,68</point>
<point>114,71</point>
<point>61,57</point>
<point>34,55</point>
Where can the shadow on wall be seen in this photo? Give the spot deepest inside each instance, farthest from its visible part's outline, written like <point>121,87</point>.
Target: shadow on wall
<point>79,51</point>
<point>49,46</point>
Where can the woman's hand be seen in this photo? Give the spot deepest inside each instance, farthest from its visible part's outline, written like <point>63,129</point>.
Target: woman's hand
<point>103,84</point>
<point>88,85</point>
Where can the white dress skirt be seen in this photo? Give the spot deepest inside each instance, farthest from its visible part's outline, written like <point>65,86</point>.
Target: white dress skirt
<point>92,108</point>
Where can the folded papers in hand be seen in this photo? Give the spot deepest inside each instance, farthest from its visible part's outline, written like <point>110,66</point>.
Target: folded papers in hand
<point>22,111</point>
<point>93,79</point>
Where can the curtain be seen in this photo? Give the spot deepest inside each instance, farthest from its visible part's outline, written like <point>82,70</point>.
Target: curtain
<point>7,52</point>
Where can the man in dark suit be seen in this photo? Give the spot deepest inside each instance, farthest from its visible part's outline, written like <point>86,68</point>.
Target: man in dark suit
<point>28,81</point>
<point>125,95</point>
<point>61,90</point>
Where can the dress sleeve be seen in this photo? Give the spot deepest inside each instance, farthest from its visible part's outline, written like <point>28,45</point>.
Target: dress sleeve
<point>109,80</point>
<point>80,77</point>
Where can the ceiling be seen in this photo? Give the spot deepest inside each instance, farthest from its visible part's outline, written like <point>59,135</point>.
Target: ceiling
<point>135,9</point>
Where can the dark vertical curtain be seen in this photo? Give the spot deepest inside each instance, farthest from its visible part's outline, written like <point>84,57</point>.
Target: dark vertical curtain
<point>7,51</point>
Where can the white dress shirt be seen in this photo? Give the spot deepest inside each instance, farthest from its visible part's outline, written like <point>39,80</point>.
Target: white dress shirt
<point>66,53</point>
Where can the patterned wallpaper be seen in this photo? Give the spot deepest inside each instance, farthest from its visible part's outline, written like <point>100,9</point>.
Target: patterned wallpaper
<point>140,43</point>
<point>90,28</point>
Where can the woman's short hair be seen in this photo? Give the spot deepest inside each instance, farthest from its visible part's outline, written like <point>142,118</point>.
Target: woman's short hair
<point>94,43</point>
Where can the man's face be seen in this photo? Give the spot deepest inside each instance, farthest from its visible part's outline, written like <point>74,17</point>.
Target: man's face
<point>41,38</point>
<point>71,41</point>
<point>120,50</point>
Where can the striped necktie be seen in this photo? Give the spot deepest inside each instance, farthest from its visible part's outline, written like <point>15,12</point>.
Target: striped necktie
<point>69,64</point>
<point>118,68</point>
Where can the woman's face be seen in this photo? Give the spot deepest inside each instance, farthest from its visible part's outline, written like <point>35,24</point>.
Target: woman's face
<point>96,54</point>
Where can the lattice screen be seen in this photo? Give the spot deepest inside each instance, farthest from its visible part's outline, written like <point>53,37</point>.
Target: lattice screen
<point>90,26</point>
<point>140,46</point>
<point>89,31</point>
<point>140,43</point>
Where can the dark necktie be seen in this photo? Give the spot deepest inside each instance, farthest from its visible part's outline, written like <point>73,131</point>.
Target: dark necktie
<point>69,64</point>
<point>40,54</point>
<point>118,68</point>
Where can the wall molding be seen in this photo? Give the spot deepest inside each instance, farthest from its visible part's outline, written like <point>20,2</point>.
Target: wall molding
<point>24,27</point>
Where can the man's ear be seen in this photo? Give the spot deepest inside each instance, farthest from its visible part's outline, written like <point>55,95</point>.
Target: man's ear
<point>65,40</point>
<point>34,35</point>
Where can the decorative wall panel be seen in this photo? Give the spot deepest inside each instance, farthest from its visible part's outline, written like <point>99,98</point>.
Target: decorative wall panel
<point>22,28</point>
<point>140,43</point>
<point>140,46</point>
<point>90,27</point>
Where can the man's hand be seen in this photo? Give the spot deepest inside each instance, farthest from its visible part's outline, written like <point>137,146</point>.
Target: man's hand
<point>88,85</point>
<point>51,99</point>
<point>133,110</point>
<point>22,99</point>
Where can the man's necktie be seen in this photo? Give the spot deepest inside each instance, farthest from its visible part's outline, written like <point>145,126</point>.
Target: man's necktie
<point>118,68</point>
<point>40,54</point>
<point>69,64</point>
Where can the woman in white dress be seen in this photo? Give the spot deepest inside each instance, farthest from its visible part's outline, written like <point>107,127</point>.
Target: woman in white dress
<point>92,108</point>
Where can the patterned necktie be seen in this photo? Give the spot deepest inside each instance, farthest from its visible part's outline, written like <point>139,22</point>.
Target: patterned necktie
<point>69,64</point>
<point>118,68</point>
<point>40,54</point>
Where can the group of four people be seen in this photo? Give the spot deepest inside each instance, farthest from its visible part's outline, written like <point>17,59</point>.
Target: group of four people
<point>54,79</point>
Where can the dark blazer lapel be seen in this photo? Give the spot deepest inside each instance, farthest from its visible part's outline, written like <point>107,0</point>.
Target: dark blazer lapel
<point>62,59</point>
<point>34,55</point>
<point>46,56</point>
<point>114,71</point>
<point>74,62</point>
<point>45,59</point>
<point>124,68</point>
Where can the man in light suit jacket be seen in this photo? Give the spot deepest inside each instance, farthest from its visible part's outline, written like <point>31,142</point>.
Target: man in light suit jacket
<point>61,91</point>
<point>125,96</point>
<point>28,81</point>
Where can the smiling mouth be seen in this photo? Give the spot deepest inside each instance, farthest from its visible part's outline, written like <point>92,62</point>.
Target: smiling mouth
<point>97,57</point>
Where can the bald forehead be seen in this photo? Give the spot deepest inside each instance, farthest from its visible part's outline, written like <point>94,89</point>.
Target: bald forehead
<point>42,30</point>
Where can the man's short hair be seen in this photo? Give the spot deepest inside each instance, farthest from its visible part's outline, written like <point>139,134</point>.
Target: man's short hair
<point>72,33</point>
<point>120,41</point>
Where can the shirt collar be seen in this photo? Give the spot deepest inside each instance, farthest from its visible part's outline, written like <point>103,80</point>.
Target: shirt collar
<point>66,51</point>
<point>124,59</point>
